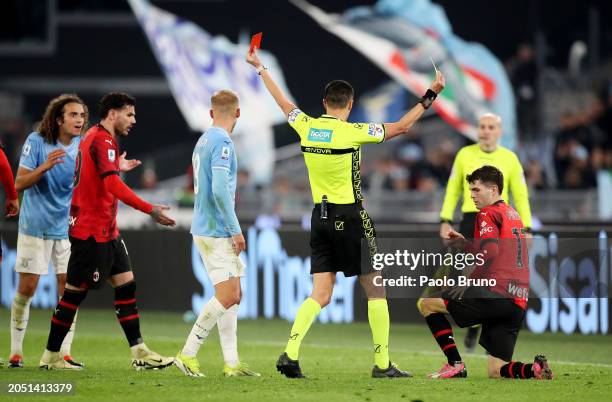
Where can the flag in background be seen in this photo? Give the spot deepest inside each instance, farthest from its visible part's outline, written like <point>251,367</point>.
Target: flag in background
<point>400,36</point>
<point>197,64</point>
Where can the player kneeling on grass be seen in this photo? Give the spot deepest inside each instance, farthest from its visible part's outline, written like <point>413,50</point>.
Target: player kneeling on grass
<point>217,235</point>
<point>97,252</point>
<point>500,237</point>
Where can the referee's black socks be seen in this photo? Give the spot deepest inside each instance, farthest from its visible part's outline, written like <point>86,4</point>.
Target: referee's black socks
<point>63,316</point>
<point>127,312</point>
<point>443,333</point>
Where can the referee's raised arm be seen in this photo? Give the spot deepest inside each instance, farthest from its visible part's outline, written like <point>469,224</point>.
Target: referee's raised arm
<point>407,120</point>
<point>278,95</point>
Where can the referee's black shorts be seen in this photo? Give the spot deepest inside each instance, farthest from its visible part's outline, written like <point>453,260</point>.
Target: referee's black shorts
<point>336,243</point>
<point>500,317</point>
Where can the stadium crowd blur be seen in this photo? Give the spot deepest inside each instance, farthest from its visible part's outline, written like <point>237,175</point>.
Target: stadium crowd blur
<point>565,152</point>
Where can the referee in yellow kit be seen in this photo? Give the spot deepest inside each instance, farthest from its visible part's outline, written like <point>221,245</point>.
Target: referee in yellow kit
<point>469,158</point>
<point>331,148</point>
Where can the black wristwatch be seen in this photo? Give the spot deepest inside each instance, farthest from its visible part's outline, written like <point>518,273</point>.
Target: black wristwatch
<point>428,98</point>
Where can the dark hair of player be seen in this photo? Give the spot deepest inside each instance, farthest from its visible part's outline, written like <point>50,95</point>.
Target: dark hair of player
<point>338,93</point>
<point>488,175</point>
<point>48,127</point>
<point>114,100</point>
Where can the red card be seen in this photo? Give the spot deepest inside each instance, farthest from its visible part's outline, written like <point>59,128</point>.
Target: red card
<point>255,42</point>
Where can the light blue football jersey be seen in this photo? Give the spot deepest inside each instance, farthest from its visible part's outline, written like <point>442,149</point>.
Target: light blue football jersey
<point>214,150</point>
<point>45,205</point>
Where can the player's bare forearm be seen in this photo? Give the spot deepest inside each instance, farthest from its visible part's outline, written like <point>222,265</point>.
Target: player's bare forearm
<point>277,93</point>
<point>253,59</point>
<point>27,178</point>
<point>405,123</point>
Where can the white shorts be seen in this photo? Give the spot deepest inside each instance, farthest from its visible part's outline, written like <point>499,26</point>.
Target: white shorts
<point>34,254</point>
<point>219,257</point>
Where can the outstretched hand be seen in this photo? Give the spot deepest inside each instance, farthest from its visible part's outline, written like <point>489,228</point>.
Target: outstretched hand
<point>125,165</point>
<point>437,85</point>
<point>454,239</point>
<point>253,59</point>
<point>158,215</point>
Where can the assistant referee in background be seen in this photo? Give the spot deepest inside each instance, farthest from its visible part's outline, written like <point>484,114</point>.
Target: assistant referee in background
<point>331,148</point>
<point>469,158</point>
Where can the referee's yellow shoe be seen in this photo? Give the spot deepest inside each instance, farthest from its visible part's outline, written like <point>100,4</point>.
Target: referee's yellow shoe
<point>240,370</point>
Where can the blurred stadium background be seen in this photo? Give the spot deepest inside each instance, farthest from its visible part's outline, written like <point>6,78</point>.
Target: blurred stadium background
<point>557,63</point>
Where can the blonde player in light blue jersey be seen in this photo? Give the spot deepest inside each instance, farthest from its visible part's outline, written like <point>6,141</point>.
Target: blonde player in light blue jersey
<point>218,237</point>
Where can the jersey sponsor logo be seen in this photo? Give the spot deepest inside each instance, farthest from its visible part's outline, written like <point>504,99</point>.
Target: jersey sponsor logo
<point>26,149</point>
<point>293,115</point>
<point>339,225</point>
<point>225,153</point>
<point>96,276</point>
<point>313,150</point>
<point>517,290</point>
<point>320,135</point>
<point>358,126</point>
<point>375,130</point>
<point>72,220</point>
<point>109,141</point>
<point>485,229</point>
<point>111,155</point>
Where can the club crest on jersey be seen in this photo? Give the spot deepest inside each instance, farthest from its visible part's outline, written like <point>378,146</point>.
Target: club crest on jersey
<point>26,149</point>
<point>225,153</point>
<point>111,155</point>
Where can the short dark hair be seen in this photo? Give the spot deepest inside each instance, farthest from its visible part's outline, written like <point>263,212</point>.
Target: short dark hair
<point>114,100</point>
<point>338,93</point>
<point>488,174</point>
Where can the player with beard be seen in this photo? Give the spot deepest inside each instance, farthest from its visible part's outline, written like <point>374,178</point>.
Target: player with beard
<point>98,253</point>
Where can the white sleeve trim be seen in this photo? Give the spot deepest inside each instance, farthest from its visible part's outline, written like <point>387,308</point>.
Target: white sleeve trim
<point>221,167</point>
<point>26,166</point>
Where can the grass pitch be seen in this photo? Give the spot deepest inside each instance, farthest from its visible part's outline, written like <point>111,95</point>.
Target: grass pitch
<point>336,359</point>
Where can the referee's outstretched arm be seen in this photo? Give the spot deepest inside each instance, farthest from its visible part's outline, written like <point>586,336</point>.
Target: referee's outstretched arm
<point>404,124</point>
<point>274,90</point>
<point>391,129</point>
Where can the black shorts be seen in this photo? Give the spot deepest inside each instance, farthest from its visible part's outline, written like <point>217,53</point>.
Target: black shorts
<point>501,319</point>
<point>92,263</point>
<point>336,243</point>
